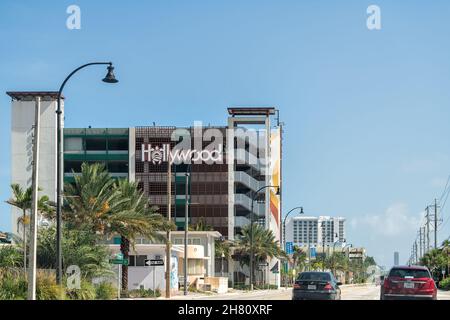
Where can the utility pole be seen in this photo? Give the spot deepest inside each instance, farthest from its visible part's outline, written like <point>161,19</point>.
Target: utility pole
<point>323,246</point>
<point>34,205</point>
<point>423,239</point>
<point>186,228</point>
<point>428,229</point>
<point>415,251</point>
<point>435,223</point>
<point>420,242</point>
<point>169,216</point>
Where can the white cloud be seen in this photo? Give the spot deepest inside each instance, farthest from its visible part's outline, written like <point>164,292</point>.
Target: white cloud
<point>427,164</point>
<point>395,221</point>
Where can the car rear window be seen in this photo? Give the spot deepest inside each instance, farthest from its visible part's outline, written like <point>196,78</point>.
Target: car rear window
<point>315,276</point>
<point>409,273</point>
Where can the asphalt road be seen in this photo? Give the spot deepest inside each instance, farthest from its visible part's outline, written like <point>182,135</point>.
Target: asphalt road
<point>366,292</point>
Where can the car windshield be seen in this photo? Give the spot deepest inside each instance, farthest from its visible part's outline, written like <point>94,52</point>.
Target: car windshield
<point>315,276</point>
<point>409,273</point>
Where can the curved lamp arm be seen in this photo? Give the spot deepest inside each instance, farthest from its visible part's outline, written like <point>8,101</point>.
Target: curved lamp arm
<point>70,76</point>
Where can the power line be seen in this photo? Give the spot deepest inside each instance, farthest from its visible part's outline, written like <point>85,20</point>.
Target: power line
<point>445,189</point>
<point>442,208</point>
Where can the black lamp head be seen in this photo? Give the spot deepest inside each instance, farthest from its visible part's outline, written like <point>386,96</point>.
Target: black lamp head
<point>110,77</point>
<point>301,210</point>
<point>278,191</point>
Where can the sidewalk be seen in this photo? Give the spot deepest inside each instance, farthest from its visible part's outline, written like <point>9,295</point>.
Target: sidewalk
<point>232,293</point>
<point>235,293</point>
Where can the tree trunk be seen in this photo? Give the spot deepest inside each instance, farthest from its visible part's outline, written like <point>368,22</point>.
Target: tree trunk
<point>125,250</point>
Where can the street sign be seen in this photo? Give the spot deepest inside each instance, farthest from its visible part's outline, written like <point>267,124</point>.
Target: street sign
<point>263,264</point>
<point>118,256</point>
<point>123,262</point>
<point>154,263</point>
<point>312,252</point>
<point>275,268</point>
<point>289,247</point>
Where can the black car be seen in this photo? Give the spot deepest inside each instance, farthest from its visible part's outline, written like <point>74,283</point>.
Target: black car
<point>316,286</point>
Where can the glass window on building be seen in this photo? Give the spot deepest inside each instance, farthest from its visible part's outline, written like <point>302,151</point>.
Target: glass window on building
<point>95,144</point>
<point>72,166</point>
<point>73,144</point>
<point>195,267</point>
<point>117,144</point>
<point>192,241</point>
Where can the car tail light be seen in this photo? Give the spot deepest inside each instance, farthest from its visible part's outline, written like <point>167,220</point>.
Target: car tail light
<point>296,286</point>
<point>429,284</point>
<point>328,286</point>
<point>387,284</point>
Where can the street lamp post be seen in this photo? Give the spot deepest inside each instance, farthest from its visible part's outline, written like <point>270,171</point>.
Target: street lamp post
<point>333,252</point>
<point>110,78</point>
<point>186,227</point>
<point>223,256</point>
<point>348,246</point>
<point>323,246</point>
<point>251,230</point>
<point>283,237</point>
<point>284,224</point>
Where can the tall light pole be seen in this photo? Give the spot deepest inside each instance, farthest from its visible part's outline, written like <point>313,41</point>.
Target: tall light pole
<point>186,228</point>
<point>348,246</point>
<point>283,238</point>
<point>110,78</point>
<point>34,205</point>
<point>251,229</point>
<point>332,253</point>
<point>323,246</point>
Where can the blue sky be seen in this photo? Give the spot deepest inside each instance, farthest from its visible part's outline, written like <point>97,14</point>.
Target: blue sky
<point>366,112</point>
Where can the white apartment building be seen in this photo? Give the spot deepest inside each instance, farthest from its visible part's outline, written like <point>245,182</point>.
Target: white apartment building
<point>316,231</point>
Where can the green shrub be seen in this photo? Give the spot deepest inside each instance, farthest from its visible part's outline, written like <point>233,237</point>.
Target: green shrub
<point>241,286</point>
<point>445,284</point>
<point>144,293</point>
<point>105,291</point>
<point>87,291</point>
<point>10,257</point>
<point>12,286</point>
<point>47,289</point>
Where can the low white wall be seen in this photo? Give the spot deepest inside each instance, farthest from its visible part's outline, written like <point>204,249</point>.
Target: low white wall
<point>148,277</point>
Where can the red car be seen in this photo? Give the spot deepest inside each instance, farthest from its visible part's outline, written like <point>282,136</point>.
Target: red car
<point>409,282</point>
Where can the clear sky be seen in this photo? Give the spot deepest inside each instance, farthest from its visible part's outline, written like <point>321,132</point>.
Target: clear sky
<point>366,112</point>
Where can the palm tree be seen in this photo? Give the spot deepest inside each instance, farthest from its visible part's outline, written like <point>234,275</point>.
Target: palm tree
<point>22,199</point>
<point>97,203</point>
<point>434,260</point>
<point>337,262</point>
<point>134,217</point>
<point>223,249</point>
<point>80,248</point>
<point>200,226</point>
<point>298,258</point>
<point>446,252</point>
<point>264,245</point>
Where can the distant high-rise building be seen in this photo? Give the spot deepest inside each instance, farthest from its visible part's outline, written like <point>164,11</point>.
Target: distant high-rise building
<point>314,231</point>
<point>396,258</point>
